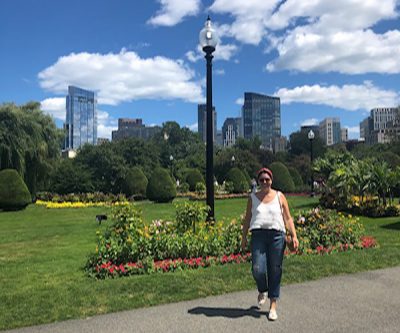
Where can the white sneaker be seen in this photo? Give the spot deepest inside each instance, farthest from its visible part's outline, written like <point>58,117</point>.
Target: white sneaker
<point>262,298</point>
<point>272,315</point>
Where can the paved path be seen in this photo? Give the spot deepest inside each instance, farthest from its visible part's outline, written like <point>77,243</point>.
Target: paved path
<point>362,302</point>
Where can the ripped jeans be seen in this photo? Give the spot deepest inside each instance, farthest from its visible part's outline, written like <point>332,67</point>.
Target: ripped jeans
<point>267,247</point>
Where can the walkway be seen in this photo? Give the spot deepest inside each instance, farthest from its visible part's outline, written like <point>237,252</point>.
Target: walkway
<point>362,302</point>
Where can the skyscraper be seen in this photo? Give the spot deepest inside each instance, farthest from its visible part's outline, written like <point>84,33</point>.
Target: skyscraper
<point>231,131</point>
<point>261,116</point>
<point>329,131</point>
<point>201,121</point>
<point>81,119</point>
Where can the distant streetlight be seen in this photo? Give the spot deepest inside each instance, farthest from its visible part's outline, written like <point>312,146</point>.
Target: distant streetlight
<point>208,42</point>
<point>233,160</point>
<point>311,137</point>
<point>171,159</point>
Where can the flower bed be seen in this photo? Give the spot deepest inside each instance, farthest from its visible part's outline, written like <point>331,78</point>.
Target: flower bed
<point>128,246</point>
<point>78,204</point>
<point>168,265</point>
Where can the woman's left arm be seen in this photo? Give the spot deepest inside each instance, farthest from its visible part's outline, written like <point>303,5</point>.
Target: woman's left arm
<point>289,224</point>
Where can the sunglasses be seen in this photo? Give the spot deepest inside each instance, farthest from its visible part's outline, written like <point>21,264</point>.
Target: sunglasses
<point>264,180</point>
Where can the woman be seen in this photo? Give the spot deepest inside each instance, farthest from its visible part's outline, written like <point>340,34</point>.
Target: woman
<point>267,215</point>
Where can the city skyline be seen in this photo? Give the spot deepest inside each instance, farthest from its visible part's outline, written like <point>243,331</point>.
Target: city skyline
<point>142,59</point>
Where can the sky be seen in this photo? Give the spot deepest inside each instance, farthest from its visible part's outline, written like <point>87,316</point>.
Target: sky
<point>322,58</point>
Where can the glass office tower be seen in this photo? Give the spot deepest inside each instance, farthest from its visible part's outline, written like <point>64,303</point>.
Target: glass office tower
<point>202,121</point>
<point>81,120</point>
<point>261,116</point>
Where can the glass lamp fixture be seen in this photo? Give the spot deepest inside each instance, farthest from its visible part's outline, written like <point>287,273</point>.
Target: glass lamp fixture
<point>311,135</point>
<point>208,37</point>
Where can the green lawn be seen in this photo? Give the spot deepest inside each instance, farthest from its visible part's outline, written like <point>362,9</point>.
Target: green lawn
<point>42,253</point>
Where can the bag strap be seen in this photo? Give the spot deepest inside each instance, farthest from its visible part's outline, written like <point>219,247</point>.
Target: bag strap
<point>280,205</point>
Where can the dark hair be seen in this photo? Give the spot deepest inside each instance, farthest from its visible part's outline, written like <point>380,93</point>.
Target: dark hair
<point>265,170</point>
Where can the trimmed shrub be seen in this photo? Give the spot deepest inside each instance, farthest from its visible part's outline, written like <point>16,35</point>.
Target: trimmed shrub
<point>238,179</point>
<point>14,194</point>
<point>193,176</point>
<point>183,188</point>
<point>200,188</point>
<point>282,179</point>
<point>297,180</point>
<point>135,183</point>
<point>161,188</point>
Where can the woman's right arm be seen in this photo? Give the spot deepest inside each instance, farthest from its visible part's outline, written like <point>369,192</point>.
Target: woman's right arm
<point>246,224</point>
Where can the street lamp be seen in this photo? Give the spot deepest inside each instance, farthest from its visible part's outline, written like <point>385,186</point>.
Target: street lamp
<point>171,159</point>
<point>208,42</point>
<point>311,137</point>
<point>233,160</point>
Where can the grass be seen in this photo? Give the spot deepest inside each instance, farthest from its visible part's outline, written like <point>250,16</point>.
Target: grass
<point>42,253</point>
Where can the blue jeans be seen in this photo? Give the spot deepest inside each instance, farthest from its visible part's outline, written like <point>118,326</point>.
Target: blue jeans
<point>267,247</point>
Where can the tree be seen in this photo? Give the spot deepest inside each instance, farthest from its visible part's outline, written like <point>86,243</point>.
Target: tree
<point>300,144</point>
<point>138,153</point>
<point>29,142</point>
<point>71,177</point>
<point>107,167</point>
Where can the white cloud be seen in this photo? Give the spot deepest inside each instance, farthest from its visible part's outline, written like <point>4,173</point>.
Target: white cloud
<point>354,52</point>
<point>349,97</point>
<point>317,35</point>
<point>105,124</point>
<point>222,52</point>
<point>310,122</point>
<point>240,101</point>
<point>55,107</point>
<point>249,18</point>
<point>220,72</point>
<point>123,77</point>
<point>172,12</point>
<point>353,129</point>
<point>193,127</point>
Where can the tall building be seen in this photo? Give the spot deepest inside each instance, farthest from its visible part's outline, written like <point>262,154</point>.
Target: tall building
<point>366,127</point>
<point>231,131</point>
<point>344,134</point>
<point>329,131</point>
<point>202,121</point>
<point>81,120</point>
<point>134,128</point>
<point>261,116</point>
<point>382,126</point>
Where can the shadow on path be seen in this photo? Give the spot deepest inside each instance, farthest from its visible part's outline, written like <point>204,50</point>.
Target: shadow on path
<point>228,312</point>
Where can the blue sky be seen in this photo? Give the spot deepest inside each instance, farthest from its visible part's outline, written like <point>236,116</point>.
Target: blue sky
<point>322,58</point>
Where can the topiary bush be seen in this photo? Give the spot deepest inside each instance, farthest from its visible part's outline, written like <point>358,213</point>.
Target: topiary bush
<point>135,183</point>
<point>282,180</point>
<point>161,188</point>
<point>238,179</point>
<point>14,194</point>
<point>193,176</point>
<point>297,180</point>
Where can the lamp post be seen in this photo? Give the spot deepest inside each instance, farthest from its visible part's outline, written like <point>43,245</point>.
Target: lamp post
<point>171,159</point>
<point>208,42</point>
<point>311,137</point>
<point>233,160</point>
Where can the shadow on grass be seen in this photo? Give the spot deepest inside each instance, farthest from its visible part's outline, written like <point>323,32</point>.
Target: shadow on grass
<point>392,226</point>
<point>306,205</point>
<point>228,312</point>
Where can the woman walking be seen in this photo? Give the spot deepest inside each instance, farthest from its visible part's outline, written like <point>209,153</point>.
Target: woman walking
<point>268,217</point>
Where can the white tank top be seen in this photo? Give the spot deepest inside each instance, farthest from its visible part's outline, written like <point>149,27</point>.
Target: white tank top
<point>266,215</point>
